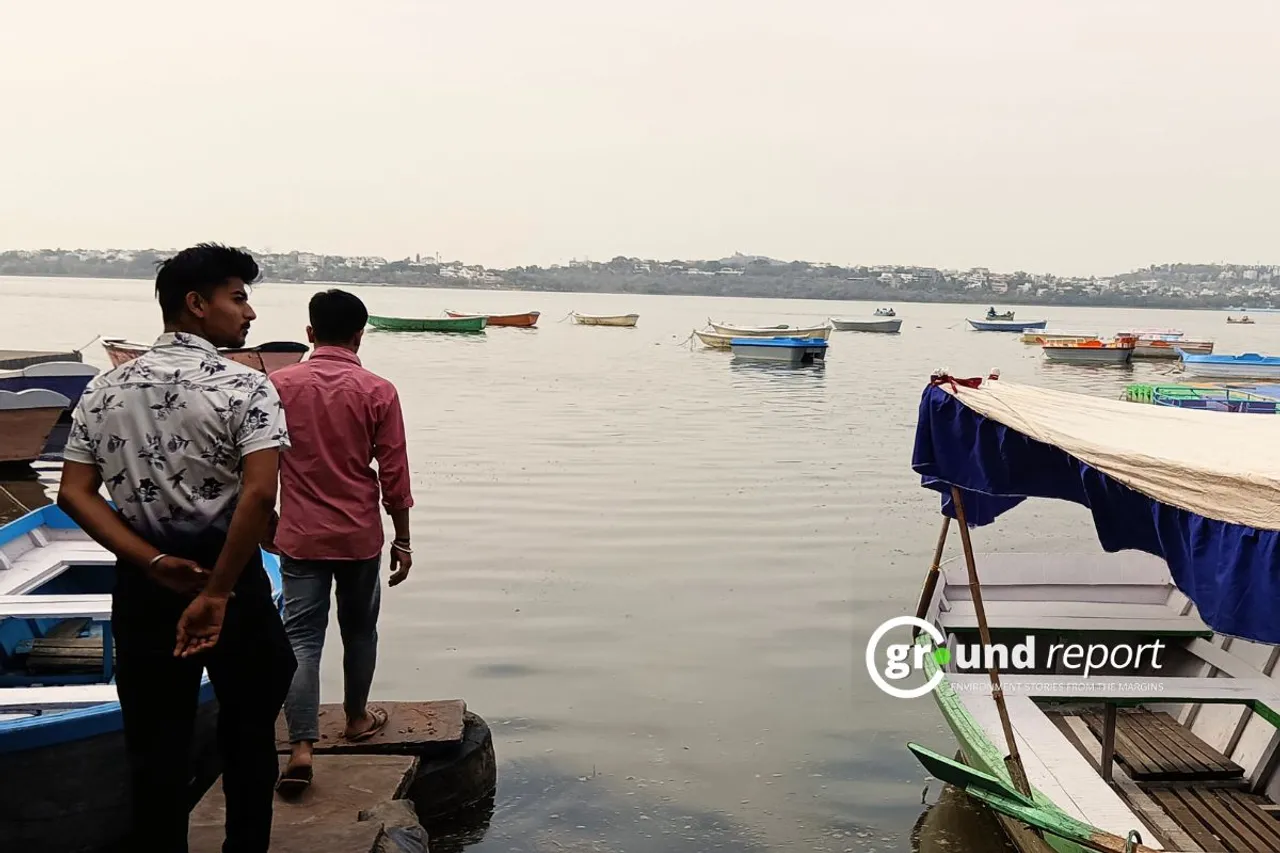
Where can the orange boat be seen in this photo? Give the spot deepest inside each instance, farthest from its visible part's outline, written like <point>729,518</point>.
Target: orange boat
<point>268,357</point>
<point>524,321</point>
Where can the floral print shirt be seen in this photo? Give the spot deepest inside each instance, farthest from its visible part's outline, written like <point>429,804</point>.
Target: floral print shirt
<point>167,432</point>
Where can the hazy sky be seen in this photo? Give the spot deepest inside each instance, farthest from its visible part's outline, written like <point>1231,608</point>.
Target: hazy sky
<point>1072,136</point>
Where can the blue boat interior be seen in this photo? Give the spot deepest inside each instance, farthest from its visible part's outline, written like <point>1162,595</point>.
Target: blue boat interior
<point>58,651</point>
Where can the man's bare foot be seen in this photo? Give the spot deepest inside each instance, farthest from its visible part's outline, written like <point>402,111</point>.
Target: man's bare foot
<point>366,725</point>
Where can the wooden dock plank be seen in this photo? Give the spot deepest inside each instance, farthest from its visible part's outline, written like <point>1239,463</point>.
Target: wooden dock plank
<point>412,728</point>
<point>324,818</point>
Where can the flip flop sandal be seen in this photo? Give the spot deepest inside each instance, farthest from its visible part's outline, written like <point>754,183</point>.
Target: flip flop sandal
<point>295,780</point>
<point>379,721</point>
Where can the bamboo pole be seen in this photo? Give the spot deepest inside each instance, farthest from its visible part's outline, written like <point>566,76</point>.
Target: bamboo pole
<point>931,579</point>
<point>1013,761</point>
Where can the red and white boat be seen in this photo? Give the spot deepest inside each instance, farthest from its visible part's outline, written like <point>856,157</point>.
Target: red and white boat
<point>523,321</point>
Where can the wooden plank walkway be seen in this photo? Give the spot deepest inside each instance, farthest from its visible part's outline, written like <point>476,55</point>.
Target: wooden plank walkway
<point>1221,820</point>
<point>1154,747</point>
<point>325,818</point>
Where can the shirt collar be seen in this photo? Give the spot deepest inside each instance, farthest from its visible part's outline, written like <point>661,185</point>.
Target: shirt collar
<point>185,339</point>
<point>335,353</point>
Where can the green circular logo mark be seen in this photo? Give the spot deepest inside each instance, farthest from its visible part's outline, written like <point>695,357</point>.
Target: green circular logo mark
<point>942,655</point>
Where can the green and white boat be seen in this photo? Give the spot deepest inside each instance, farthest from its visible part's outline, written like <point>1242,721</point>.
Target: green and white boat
<point>1173,748</point>
<point>429,324</point>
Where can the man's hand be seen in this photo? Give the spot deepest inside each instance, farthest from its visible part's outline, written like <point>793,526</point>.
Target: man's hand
<point>182,576</point>
<point>401,562</point>
<point>269,540</point>
<point>200,625</point>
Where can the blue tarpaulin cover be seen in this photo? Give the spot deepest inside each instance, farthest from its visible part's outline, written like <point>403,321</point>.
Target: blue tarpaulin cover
<point>1002,443</point>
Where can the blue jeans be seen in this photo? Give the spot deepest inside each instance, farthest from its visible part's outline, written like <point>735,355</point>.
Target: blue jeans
<point>306,616</point>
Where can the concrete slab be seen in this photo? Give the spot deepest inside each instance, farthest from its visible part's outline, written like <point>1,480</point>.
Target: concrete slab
<point>325,817</point>
<point>412,728</point>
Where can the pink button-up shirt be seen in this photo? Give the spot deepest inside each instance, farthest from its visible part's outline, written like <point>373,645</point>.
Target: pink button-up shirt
<point>341,417</point>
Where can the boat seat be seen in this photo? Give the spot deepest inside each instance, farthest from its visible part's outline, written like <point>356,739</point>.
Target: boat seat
<point>1074,617</point>
<point>39,565</point>
<point>96,607</point>
<point>37,699</point>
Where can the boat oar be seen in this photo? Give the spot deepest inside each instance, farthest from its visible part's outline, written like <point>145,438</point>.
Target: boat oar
<point>1008,801</point>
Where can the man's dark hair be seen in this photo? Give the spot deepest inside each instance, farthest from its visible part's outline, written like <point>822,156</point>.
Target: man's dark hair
<point>202,269</point>
<point>336,316</point>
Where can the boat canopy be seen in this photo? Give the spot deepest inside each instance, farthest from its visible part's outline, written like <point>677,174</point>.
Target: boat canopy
<point>1201,490</point>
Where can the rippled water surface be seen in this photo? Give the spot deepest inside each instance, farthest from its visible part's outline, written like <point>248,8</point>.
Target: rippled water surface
<point>654,570</point>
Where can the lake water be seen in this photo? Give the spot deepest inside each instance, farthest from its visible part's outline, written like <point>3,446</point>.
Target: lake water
<point>654,570</point>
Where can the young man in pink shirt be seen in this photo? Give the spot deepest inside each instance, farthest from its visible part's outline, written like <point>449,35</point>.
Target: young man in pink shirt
<point>341,418</point>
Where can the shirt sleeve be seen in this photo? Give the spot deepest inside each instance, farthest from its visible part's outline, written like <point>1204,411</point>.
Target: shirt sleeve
<point>389,448</point>
<point>261,424</point>
<point>80,447</point>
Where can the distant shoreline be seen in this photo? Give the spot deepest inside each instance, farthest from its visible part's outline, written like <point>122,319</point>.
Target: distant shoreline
<point>656,288</point>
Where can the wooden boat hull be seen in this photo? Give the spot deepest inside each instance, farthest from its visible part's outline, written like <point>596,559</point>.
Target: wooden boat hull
<point>620,320</point>
<point>268,357</point>
<point>715,340</point>
<point>27,419</point>
<point>1006,325</point>
<point>1149,348</point>
<point>884,325</point>
<point>823,331</point>
<point>519,321</point>
<point>429,324</point>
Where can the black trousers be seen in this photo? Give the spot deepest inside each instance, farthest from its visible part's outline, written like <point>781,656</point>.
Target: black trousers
<point>251,668</point>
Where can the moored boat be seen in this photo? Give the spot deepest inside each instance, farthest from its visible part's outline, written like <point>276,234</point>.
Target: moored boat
<point>881,323</point>
<point>621,320</point>
<point>1249,365</point>
<point>823,331</point>
<point>1117,351</point>
<point>1209,396</point>
<point>1160,346</point>
<point>1007,325</point>
<point>68,378</point>
<point>27,419</point>
<point>268,357</point>
<point>886,312</point>
<point>63,771</point>
<point>429,324</point>
<point>1245,321</point>
<point>713,339</point>
<point>1039,336</point>
<point>993,315</point>
<point>1097,756</point>
<point>522,321</point>
<point>792,351</point>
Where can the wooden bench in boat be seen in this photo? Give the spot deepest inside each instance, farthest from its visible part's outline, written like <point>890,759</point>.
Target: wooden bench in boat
<point>1075,617</point>
<point>96,607</point>
<point>37,699</point>
<point>1153,746</point>
<point>1220,820</point>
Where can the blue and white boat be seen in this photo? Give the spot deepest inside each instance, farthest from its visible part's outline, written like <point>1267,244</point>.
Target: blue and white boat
<point>63,775</point>
<point>1249,365</point>
<point>1007,325</point>
<point>792,351</point>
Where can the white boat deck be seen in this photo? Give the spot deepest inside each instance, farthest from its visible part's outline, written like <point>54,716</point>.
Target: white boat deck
<point>1073,616</point>
<point>40,699</point>
<point>42,555</point>
<point>96,607</point>
<point>1055,767</point>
